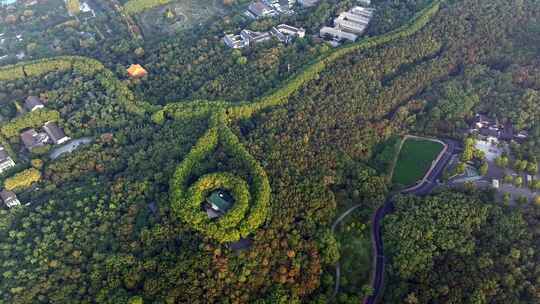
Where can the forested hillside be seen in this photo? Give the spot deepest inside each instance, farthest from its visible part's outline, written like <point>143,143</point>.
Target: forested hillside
<point>456,248</point>
<point>102,228</point>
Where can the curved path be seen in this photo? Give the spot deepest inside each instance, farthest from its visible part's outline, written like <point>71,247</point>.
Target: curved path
<point>425,187</point>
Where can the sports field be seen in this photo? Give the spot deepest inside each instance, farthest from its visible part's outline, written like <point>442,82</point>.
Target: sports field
<point>415,159</point>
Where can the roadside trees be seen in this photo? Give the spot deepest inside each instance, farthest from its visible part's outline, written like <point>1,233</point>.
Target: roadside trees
<point>522,200</point>
<point>506,198</point>
<point>502,161</point>
<point>518,181</point>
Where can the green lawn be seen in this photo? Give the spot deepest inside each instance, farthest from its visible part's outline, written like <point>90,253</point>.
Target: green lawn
<point>414,160</point>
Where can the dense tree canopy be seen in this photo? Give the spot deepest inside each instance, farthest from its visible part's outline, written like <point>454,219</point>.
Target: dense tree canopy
<point>101,226</point>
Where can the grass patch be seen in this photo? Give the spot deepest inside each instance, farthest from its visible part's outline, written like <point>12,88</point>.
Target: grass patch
<point>415,159</point>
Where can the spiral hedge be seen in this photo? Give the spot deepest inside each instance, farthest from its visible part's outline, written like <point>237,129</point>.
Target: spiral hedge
<point>251,198</point>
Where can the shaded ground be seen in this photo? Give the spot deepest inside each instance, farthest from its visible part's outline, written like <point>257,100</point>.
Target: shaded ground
<point>355,251</point>
<point>415,159</point>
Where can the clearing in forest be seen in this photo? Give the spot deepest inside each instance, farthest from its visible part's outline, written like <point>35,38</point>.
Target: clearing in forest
<point>415,159</point>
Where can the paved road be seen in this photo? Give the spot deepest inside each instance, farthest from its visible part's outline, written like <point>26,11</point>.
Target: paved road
<point>429,183</point>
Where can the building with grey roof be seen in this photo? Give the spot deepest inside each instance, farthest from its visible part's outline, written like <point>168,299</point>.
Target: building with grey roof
<point>260,9</point>
<point>6,161</point>
<point>255,37</point>
<point>337,34</point>
<point>56,134</point>
<point>235,41</point>
<point>32,139</point>
<point>33,103</point>
<point>291,30</point>
<point>9,198</point>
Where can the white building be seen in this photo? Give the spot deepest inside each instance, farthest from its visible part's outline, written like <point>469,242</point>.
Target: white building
<point>355,20</point>
<point>291,30</point>
<point>362,11</point>
<point>348,25</point>
<point>308,3</point>
<point>337,34</point>
<point>235,41</point>
<point>260,9</point>
<point>253,37</point>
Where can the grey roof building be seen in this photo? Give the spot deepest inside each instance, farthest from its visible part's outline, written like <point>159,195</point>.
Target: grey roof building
<point>291,30</point>
<point>9,198</point>
<point>280,36</point>
<point>260,9</point>
<point>235,41</point>
<point>6,161</point>
<point>33,103</point>
<point>255,37</point>
<point>56,134</point>
<point>337,34</point>
<point>32,139</point>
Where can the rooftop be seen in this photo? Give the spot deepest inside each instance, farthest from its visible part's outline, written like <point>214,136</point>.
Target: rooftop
<point>4,156</point>
<point>136,71</point>
<point>33,102</point>
<point>7,195</point>
<point>220,201</point>
<point>55,132</point>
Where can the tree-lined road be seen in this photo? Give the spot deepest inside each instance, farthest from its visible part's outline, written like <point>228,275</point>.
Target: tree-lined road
<point>425,187</point>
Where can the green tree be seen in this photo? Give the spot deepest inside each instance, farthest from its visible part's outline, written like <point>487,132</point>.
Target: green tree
<point>484,168</point>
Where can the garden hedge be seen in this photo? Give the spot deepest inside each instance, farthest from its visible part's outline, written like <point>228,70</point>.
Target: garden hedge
<point>186,199</point>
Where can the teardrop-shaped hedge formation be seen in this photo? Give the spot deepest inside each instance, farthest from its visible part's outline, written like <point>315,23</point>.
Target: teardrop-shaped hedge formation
<point>187,200</point>
<point>251,192</point>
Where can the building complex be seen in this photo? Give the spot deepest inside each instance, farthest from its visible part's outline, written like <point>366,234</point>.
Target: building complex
<point>283,32</point>
<point>348,25</point>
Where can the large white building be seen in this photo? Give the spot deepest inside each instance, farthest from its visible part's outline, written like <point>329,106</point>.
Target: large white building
<point>291,30</point>
<point>355,20</point>
<point>337,34</point>
<point>348,25</point>
<point>235,41</point>
<point>260,9</point>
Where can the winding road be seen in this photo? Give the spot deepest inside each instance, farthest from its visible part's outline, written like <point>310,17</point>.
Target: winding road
<point>425,187</point>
